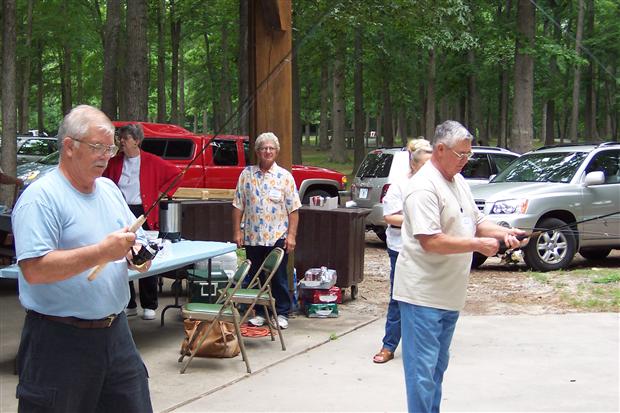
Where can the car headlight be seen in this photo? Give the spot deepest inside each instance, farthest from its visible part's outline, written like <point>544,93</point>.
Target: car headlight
<point>510,206</point>
<point>29,176</point>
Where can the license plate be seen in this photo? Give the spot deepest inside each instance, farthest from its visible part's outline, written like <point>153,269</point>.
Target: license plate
<point>363,193</point>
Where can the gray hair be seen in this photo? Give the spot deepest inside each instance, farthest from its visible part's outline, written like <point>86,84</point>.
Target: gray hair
<point>450,133</point>
<point>78,121</point>
<point>133,129</point>
<point>266,137</point>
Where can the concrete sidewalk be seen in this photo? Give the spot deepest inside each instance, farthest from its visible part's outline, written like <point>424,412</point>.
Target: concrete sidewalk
<point>499,363</point>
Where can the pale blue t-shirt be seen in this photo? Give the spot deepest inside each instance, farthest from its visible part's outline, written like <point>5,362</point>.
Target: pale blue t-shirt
<point>51,215</point>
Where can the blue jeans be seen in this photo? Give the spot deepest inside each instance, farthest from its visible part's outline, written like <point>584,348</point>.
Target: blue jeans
<point>427,334</point>
<point>392,321</point>
<point>279,282</point>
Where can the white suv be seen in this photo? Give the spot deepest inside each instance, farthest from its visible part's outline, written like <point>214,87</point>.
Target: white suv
<point>383,166</point>
<point>553,189</point>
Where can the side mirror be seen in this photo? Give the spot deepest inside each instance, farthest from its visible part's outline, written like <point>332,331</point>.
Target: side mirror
<point>594,178</point>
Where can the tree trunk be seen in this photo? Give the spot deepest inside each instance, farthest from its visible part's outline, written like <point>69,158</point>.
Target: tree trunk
<point>175,40</point>
<point>338,149</point>
<point>39,80</point>
<point>217,118</point>
<point>243,68</point>
<point>402,126</point>
<point>79,76</point>
<point>502,140</point>
<point>137,62</point>
<point>161,62</point>
<point>109,103</point>
<point>122,73</point>
<point>24,113</point>
<point>574,119</point>
<point>65,79</point>
<point>388,130</point>
<point>225,92</point>
<point>9,94</point>
<point>522,130</point>
<point>550,119</point>
<point>359,151</point>
<point>296,108</point>
<point>473,104</point>
<point>429,112</point>
<point>181,111</point>
<point>324,123</point>
<point>590,109</point>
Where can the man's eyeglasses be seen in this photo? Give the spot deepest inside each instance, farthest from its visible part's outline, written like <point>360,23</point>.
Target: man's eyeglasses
<point>100,149</point>
<point>267,149</point>
<point>462,155</point>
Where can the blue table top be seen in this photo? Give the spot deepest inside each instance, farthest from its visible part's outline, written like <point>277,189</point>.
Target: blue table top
<point>173,256</point>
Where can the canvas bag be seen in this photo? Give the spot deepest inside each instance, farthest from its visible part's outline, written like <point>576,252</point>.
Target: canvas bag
<point>221,342</point>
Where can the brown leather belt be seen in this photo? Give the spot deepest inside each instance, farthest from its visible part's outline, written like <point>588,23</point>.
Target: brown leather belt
<point>395,226</point>
<point>78,322</point>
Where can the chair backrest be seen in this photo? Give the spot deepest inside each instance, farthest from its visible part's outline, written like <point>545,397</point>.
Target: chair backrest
<point>240,274</point>
<point>269,266</point>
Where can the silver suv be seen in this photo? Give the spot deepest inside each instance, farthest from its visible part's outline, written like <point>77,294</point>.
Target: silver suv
<point>554,189</point>
<point>383,166</point>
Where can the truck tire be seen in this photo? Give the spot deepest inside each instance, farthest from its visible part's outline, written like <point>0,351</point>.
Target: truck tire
<point>477,260</point>
<point>551,250</point>
<point>380,232</point>
<point>314,192</point>
<point>594,253</point>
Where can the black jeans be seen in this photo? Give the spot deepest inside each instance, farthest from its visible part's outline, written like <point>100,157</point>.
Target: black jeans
<point>279,282</point>
<point>68,369</point>
<point>148,285</point>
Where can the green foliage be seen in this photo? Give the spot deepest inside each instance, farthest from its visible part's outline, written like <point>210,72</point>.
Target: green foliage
<point>396,38</point>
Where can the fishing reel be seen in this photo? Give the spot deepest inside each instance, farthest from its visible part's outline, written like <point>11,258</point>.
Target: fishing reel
<point>146,253</point>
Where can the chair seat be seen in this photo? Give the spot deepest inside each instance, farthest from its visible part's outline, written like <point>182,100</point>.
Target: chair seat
<point>204,311</point>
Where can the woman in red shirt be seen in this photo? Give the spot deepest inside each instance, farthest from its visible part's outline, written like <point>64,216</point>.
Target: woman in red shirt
<point>141,177</point>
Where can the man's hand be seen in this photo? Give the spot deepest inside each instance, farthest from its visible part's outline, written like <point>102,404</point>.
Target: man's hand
<point>238,239</point>
<point>289,243</point>
<point>116,245</point>
<point>486,246</point>
<point>144,267</point>
<point>512,242</point>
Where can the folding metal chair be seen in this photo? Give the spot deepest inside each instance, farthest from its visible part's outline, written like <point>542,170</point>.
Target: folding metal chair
<point>222,310</point>
<point>258,292</point>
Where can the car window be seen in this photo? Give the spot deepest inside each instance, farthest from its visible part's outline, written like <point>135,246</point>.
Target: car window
<point>543,167</point>
<point>607,162</point>
<point>224,152</point>
<point>51,159</point>
<point>477,167</point>
<point>501,160</point>
<point>169,148</point>
<point>38,147</point>
<point>376,165</point>
<point>246,151</point>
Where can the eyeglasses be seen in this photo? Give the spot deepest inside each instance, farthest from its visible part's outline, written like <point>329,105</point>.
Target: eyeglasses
<point>267,149</point>
<point>465,155</point>
<point>100,149</point>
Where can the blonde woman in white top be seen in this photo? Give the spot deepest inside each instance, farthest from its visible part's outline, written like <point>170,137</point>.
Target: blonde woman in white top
<point>419,152</point>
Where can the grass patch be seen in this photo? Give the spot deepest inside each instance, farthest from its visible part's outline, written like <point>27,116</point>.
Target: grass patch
<point>311,155</point>
<point>593,289</point>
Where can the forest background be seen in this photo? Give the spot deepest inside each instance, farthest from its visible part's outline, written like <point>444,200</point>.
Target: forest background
<point>517,73</point>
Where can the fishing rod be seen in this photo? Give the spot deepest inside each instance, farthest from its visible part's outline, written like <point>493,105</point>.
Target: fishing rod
<point>538,231</point>
<point>242,108</point>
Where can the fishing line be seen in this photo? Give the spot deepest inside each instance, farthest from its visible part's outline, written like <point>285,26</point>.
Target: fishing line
<point>573,37</point>
<point>243,108</point>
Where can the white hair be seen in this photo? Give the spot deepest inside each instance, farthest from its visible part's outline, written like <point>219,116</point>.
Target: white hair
<point>267,137</point>
<point>78,121</point>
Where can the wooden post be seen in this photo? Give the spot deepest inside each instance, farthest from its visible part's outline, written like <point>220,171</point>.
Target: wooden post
<point>270,49</point>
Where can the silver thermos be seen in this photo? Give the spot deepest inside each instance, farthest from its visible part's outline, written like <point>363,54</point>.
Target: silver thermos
<point>170,220</point>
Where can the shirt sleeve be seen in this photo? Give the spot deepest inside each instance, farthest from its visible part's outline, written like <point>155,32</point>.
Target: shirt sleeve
<point>239,197</point>
<point>292,201</point>
<point>36,229</point>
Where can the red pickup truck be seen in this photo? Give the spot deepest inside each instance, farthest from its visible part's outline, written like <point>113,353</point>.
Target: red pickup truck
<point>220,164</point>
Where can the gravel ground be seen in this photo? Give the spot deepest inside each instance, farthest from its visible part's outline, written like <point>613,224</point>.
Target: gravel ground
<point>497,289</point>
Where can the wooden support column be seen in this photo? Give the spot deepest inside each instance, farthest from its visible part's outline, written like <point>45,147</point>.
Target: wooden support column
<point>269,48</point>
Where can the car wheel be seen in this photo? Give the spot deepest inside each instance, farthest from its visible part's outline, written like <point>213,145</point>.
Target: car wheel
<point>594,253</point>
<point>478,260</point>
<point>550,250</point>
<point>380,232</point>
<point>314,192</point>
